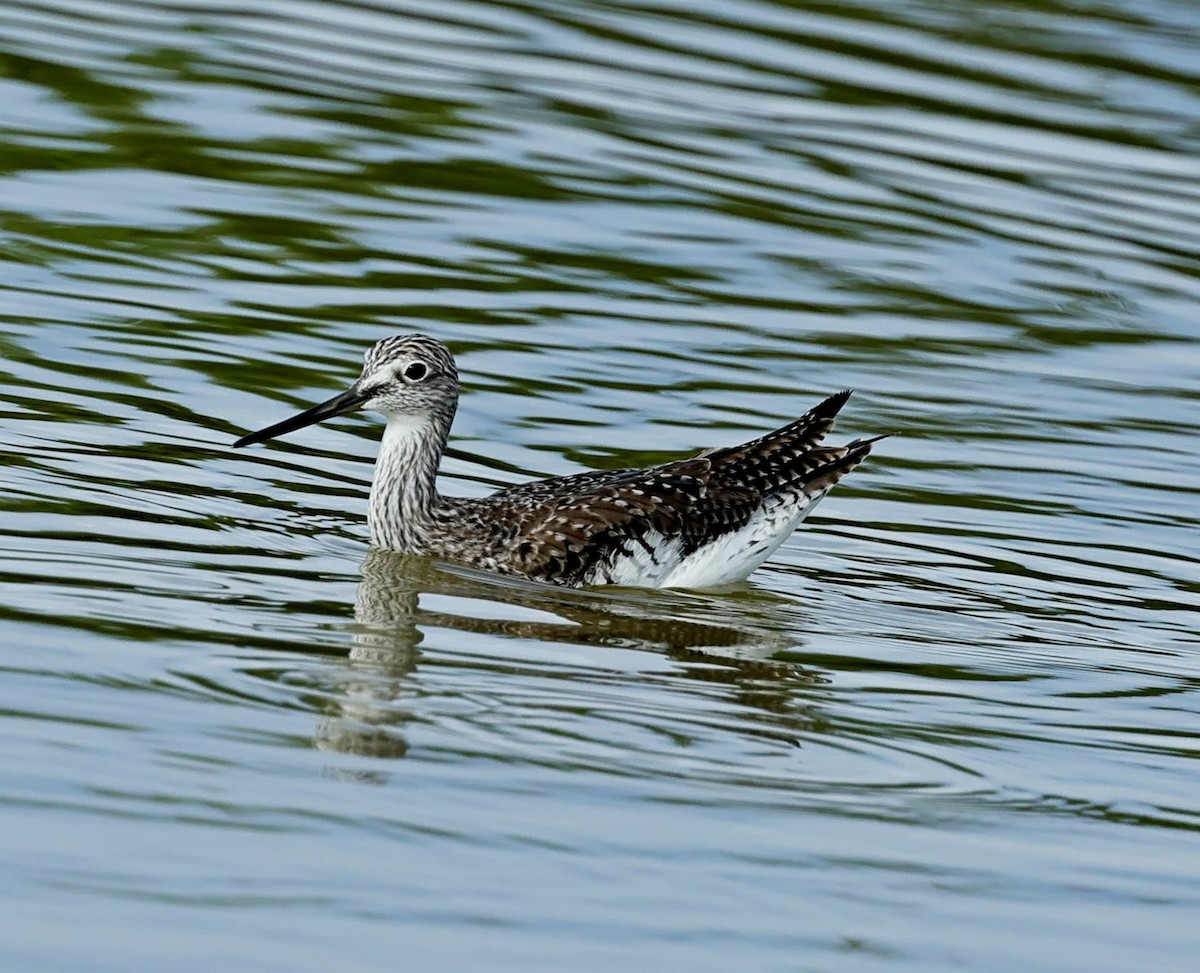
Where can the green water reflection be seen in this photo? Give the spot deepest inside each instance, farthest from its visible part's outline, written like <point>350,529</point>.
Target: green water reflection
<point>949,725</point>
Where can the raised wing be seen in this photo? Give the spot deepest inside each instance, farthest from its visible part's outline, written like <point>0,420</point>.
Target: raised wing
<point>575,529</point>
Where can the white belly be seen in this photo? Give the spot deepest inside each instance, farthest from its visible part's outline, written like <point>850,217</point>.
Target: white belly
<point>731,557</point>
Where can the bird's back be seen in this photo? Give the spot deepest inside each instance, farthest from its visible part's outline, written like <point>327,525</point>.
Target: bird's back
<point>698,522</point>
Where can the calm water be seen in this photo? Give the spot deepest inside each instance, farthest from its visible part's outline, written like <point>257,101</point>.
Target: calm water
<point>952,725</point>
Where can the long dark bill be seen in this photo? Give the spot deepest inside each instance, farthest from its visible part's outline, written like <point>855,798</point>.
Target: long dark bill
<point>339,405</point>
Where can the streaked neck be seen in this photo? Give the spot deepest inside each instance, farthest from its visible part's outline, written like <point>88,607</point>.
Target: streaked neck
<point>404,490</point>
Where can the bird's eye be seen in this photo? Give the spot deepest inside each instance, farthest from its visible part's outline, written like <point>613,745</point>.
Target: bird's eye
<point>416,371</point>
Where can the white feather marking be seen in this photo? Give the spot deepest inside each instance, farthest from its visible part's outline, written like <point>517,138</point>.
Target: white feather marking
<point>734,556</point>
<point>643,568</point>
<point>731,557</point>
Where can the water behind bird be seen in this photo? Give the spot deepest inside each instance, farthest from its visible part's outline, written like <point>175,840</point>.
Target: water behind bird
<point>950,723</point>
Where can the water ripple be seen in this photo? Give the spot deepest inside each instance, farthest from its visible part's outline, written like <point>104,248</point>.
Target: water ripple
<point>644,228</point>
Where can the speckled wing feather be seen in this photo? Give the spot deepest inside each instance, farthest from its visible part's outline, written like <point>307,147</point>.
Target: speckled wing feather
<point>572,528</point>
<point>781,457</point>
<point>567,538</point>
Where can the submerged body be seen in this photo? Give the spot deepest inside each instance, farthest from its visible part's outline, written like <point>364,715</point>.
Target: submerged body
<point>699,522</point>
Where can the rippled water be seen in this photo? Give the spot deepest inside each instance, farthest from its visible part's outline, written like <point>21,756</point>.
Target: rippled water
<point>951,725</point>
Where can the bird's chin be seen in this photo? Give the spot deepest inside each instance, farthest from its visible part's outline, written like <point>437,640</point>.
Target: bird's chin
<point>406,423</point>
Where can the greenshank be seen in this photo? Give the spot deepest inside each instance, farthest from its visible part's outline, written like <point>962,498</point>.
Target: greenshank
<point>696,523</point>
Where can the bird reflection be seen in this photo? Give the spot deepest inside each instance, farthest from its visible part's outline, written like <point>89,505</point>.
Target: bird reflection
<point>722,638</point>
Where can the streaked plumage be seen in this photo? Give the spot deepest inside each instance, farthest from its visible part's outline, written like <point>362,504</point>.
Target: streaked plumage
<point>698,522</point>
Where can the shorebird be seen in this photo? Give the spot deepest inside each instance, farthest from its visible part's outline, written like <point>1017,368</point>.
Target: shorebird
<point>696,523</point>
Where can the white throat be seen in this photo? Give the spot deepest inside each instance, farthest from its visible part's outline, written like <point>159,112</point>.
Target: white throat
<point>402,426</point>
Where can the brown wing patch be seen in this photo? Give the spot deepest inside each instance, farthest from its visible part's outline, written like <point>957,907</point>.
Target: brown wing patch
<point>565,538</point>
<point>785,457</point>
<point>568,530</point>
<point>803,434</point>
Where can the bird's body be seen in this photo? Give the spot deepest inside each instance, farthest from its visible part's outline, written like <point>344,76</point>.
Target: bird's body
<point>694,523</point>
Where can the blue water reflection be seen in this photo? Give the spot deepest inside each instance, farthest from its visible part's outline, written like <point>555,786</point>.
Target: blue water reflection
<point>950,724</point>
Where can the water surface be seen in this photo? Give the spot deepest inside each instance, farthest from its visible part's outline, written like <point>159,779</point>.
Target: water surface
<point>951,725</point>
